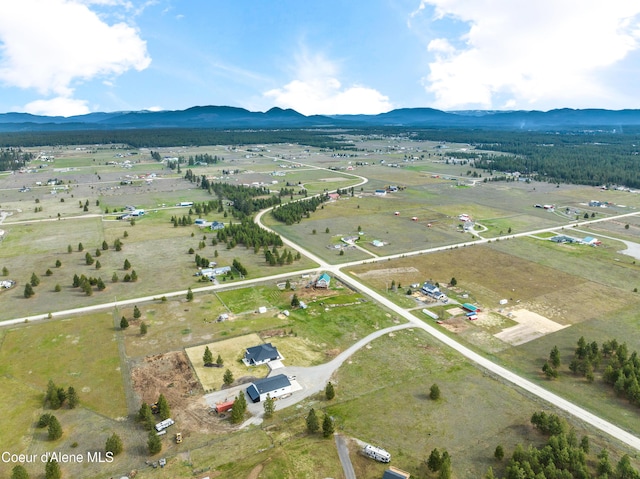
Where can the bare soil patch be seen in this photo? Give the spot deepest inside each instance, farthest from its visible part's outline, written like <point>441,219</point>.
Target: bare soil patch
<point>171,374</point>
<point>530,326</point>
<point>377,273</point>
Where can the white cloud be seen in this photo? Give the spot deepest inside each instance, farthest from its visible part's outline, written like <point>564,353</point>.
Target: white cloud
<point>52,45</point>
<point>57,106</point>
<point>317,90</point>
<point>530,54</point>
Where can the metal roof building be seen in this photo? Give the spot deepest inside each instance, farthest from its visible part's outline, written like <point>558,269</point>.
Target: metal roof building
<point>274,386</point>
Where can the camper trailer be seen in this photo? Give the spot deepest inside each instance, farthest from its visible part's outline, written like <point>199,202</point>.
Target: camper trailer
<point>376,453</point>
<point>162,425</point>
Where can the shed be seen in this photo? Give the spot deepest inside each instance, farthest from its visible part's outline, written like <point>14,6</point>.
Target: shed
<point>262,309</point>
<point>470,307</point>
<point>274,386</point>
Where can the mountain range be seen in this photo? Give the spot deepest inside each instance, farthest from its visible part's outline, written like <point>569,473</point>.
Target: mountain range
<point>226,117</point>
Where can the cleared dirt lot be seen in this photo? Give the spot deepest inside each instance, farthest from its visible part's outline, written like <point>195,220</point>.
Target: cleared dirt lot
<point>530,326</point>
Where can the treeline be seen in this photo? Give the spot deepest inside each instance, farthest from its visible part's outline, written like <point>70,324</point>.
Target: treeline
<point>205,158</point>
<point>293,212</point>
<point>621,370</point>
<point>165,137</point>
<point>14,159</point>
<point>562,457</point>
<point>249,234</point>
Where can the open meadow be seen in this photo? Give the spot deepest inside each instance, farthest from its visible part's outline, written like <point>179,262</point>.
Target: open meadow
<point>533,294</point>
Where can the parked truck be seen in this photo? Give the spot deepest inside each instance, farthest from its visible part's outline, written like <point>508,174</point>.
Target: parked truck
<point>224,406</point>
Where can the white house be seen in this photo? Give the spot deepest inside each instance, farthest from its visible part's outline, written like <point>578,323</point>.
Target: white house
<point>274,386</point>
<point>261,354</point>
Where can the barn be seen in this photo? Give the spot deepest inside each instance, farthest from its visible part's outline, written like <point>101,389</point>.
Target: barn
<point>274,386</point>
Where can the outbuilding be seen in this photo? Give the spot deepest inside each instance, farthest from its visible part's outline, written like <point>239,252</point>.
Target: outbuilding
<point>274,386</point>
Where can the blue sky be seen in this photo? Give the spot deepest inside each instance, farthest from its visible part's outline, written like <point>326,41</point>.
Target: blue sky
<point>66,57</point>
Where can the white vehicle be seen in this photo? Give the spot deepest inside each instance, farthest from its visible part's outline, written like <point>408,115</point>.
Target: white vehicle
<point>185,203</point>
<point>376,453</point>
<point>162,425</point>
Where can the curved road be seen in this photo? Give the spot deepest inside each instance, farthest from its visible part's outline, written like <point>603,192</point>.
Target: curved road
<point>481,361</point>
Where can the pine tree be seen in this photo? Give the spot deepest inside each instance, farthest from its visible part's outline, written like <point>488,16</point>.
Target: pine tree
<point>312,422</point>
<point>105,246</point>
<point>114,278</point>
<point>114,444</point>
<point>52,470</point>
<point>28,291</point>
<point>499,452</point>
<point>19,472</point>
<point>328,427</point>
<point>98,264</point>
<point>239,408</point>
<point>163,407</point>
<point>58,263</point>
<point>72,397</point>
<point>134,276</point>
<point>153,443</point>
<point>143,329</point>
<point>329,391</point>
<point>35,281</point>
<point>145,416</point>
<point>435,460</point>
<point>126,265</point>
<point>554,357</point>
<point>219,361</point>
<point>54,429</point>
<point>207,357</point>
<point>269,407</point>
<point>136,313</point>
<point>189,295</point>
<point>434,392</point>
<point>228,377</point>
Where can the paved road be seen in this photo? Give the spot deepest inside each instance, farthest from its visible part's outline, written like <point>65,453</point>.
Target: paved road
<point>505,374</point>
<point>343,453</point>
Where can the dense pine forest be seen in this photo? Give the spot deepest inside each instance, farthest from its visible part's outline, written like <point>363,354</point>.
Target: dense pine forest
<point>590,157</point>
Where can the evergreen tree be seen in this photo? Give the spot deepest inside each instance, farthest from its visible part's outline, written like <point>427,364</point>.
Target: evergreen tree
<point>54,429</point>
<point>52,470</point>
<point>127,265</point>
<point>5,271</point>
<point>163,407</point>
<point>19,472</point>
<point>453,282</point>
<point>28,290</point>
<point>105,246</point>
<point>295,302</point>
<point>435,460</point>
<point>98,265</point>
<point>269,407</point>
<point>44,420</point>
<point>554,357</point>
<point>57,288</point>
<point>219,361</point>
<point>58,263</point>
<point>136,312</point>
<point>189,295</point>
<point>153,443</point>
<point>72,397</point>
<point>145,416</point>
<point>434,392</point>
<point>499,453</point>
<point>329,391</point>
<point>328,427</point>
<point>445,468</point>
<point>239,408</point>
<point>35,281</point>
<point>207,357</point>
<point>48,272</point>
<point>143,329</point>
<point>80,247</point>
<point>228,377</point>
<point>312,422</point>
<point>114,278</point>
<point>134,276</point>
<point>114,444</point>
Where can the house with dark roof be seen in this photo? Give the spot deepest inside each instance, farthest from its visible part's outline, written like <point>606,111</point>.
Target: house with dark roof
<point>216,226</point>
<point>261,354</point>
<point>274,387</point>
<point>395,473</point>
